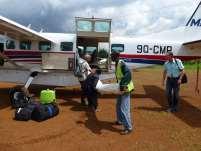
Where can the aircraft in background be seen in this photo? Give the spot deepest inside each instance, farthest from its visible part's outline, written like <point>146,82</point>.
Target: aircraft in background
<point>52,56</point>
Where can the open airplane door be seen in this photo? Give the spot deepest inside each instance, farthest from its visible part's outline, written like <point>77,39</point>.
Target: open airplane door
<point>93,37</point>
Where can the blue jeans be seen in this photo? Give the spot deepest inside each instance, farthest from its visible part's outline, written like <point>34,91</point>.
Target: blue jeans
<point>123,110</point>
<point>172,92</point>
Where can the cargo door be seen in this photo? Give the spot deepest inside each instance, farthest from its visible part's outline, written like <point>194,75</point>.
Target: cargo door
<point>92,34</point>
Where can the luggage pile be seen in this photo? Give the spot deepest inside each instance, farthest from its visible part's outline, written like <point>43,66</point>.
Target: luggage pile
<point>27,108</point>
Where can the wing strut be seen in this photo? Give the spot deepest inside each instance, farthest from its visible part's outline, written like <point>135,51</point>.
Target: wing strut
<point>28,82</point>
<point>5,58</point>
<point>197,78</point>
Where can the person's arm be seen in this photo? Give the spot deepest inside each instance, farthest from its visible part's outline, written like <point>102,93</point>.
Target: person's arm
<point>180,64</point>
<point>164,77</point>
<point>181,68</point>
<point>95,81</point>
<point>88,69</point>
<point>181,75</point>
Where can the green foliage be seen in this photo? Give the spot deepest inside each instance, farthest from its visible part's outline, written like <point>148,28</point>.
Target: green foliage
<point>191,64</point>
<point>103,53</point>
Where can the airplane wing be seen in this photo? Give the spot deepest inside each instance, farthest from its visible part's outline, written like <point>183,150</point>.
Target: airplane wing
<point>193,49</point>
<point>15,30</point>
<point>193,43</point>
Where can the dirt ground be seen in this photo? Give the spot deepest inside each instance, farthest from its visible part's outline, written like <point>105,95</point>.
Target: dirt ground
<point>76,128</point>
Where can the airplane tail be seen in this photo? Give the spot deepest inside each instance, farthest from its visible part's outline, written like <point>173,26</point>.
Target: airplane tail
<point>195,19</point>
<point>192,30</point>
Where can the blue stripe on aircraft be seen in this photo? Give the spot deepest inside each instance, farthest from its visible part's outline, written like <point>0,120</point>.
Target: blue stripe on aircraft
<point>160,62</point>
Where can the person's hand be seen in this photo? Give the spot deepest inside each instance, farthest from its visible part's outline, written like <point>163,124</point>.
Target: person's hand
<point>163,83</point>
<point>123,89</point>
<point>122,92</point>
<point>179,81</point>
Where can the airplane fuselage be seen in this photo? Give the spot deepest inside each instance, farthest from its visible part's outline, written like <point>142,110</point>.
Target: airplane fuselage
<point>135,51</point>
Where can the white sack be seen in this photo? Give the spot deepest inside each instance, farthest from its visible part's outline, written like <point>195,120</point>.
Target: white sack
<point>111,88</point>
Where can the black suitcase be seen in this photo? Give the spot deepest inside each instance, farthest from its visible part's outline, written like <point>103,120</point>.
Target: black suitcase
<point>45,111</point>
<point>24,114</point>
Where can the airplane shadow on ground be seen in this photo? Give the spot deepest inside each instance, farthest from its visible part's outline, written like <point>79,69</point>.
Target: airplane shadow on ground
<point>188,113</point>
<point>91,121</point>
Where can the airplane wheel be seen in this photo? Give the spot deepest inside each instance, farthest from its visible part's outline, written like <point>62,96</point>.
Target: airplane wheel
<point>11,92</point>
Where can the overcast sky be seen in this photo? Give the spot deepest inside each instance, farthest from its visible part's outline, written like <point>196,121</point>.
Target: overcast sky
<point>129,17</point>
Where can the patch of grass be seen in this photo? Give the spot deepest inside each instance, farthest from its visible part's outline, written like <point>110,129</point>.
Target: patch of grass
<point>191,65</point>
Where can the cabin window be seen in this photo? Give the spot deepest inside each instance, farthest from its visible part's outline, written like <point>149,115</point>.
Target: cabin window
<point>83,25</point>
<point>10,44</point>
<point>117,47</point>
<point>25,45</point>
<point>102,26</point>
<point>90,49</point>
<point>44,45</point>
<point>66,46</point>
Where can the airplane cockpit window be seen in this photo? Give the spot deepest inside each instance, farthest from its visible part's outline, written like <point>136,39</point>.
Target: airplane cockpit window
<point>10,44</point>
<point>83,25</point>
<point>66,46</point>
<point>44,45</point>
<point>101,26</point>
<point>117,47</point>
<point>25,45</point>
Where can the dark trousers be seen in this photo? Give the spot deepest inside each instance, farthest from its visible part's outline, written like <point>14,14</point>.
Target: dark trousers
<point>93,100</point>
<point>172,92</point>
<point>83,96</point>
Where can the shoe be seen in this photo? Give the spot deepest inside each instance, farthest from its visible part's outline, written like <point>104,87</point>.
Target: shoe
<point>126,131</point>
<point>83,103</point>
<point>175,110</point>
<point>169,110</point>
<point>94,108</point>
<point>117,123</point>
<point>97,110</point>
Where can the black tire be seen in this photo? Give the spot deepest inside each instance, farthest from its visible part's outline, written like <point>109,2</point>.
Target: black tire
<point>2,61</point>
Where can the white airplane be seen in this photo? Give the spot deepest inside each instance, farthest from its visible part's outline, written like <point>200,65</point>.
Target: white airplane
<point>52,56</point>
<point>25,52</point>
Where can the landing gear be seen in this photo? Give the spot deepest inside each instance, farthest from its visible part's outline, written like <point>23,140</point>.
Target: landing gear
<point>28,82</point>
<point>24,88</point>
<point>2,61</point>
<point>1,54</point>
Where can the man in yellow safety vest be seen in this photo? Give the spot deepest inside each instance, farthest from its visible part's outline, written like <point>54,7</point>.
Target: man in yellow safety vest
<point>124,78</point>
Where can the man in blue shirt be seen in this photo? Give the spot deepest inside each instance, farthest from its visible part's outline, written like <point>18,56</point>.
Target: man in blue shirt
<point>173,72</point>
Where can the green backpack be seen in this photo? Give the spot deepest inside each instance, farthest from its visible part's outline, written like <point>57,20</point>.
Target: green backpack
<point>47,96</point>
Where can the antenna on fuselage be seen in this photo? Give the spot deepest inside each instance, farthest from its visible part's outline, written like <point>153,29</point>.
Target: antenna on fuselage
<point>29,26</point>
<point>41,30</point>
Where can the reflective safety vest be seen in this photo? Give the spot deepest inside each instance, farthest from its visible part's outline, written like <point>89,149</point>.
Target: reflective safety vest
<point>119,76</point>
